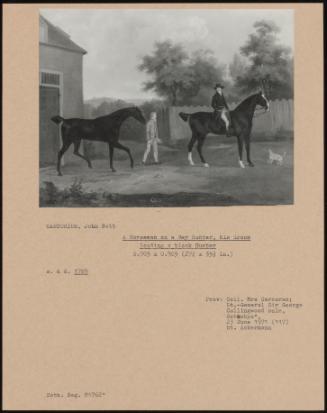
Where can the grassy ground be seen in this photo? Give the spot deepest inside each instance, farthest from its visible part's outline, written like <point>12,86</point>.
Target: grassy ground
<point>174,182</point>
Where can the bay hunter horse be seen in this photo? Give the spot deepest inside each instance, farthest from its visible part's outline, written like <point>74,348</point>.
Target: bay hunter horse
<point>202,123</point>
<point>102,129</point>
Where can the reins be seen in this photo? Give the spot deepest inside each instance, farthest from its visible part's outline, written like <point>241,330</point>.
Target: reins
<point>258,113</point>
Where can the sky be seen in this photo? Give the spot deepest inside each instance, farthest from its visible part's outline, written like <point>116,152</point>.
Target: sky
<point>116,40</point>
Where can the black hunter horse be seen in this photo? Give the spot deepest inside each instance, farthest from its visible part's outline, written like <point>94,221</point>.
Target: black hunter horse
<point>202,123</point>
<point>103,129</point>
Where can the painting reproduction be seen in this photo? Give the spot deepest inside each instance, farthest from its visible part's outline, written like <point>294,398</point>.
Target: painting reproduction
<point>165,107</point>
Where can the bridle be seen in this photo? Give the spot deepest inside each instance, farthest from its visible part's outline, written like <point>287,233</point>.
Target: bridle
<point>261,111</point>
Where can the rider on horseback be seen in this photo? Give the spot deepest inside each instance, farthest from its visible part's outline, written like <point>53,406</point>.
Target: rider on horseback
<point>221,109</point>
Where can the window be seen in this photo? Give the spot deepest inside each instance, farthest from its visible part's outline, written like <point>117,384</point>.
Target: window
<point>48,78</point>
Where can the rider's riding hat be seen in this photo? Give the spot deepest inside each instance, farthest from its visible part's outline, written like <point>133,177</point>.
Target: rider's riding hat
<point>219,85</point>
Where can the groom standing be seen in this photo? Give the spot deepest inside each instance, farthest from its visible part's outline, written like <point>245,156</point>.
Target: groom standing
<point>152,138</point>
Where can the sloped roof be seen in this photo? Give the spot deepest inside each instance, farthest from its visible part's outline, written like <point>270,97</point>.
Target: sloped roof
<point>58,38</point>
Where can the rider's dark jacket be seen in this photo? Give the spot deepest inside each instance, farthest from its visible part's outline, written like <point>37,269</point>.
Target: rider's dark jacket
<point>218,102</point>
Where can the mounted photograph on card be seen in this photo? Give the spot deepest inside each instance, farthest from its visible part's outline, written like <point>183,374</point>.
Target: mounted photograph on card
<point>163,214</point>
<point>165,107</point>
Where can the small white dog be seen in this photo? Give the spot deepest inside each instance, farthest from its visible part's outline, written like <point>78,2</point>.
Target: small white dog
<point>276,158</point>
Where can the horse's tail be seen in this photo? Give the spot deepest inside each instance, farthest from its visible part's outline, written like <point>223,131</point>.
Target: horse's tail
<point>57,119</point>
<point>184,116</point>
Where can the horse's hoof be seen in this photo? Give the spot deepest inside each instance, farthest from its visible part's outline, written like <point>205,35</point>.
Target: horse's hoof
<point>113,170</point>
<point>59,174</point>
<point>90,166</point>
<point>251,164</point>
<point>192,164</point>
<point>241,164</point>
<point>206,165</point>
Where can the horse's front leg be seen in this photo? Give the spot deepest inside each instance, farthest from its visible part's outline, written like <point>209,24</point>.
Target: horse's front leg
<point>111,156</point>
<point>247,147</point>
<point>190,147</point>
<point>240,151</point>
<point>124,148</point>
<point>77,145</point>
<point>199,148</point>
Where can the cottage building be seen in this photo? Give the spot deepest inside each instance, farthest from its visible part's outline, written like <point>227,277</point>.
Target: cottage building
<point>61,86</point>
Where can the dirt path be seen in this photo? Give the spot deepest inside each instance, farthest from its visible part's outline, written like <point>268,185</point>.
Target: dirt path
<point>262,184</point>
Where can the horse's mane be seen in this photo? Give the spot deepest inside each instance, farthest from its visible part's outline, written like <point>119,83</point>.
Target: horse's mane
<point>245,102</point>
<point>127,109</point>
<point>117,113</point>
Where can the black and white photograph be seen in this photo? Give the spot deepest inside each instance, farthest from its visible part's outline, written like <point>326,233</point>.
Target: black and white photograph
<point>169,107</point>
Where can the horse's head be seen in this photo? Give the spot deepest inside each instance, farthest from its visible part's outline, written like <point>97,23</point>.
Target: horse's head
<point>138,115</point>
<point>262,100</point>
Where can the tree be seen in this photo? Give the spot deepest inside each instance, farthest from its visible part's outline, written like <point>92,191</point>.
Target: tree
<point>270,63</point>
<point>88,110</point>
<point>102,109</point>
<point>153,105</point>
<point>177,76</point>
<point>169,70</point>
<point>108,106</point>
<point>237,67</point>
<point>206,72</point>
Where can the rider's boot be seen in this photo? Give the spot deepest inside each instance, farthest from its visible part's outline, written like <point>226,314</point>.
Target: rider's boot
<point>228,129</point>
